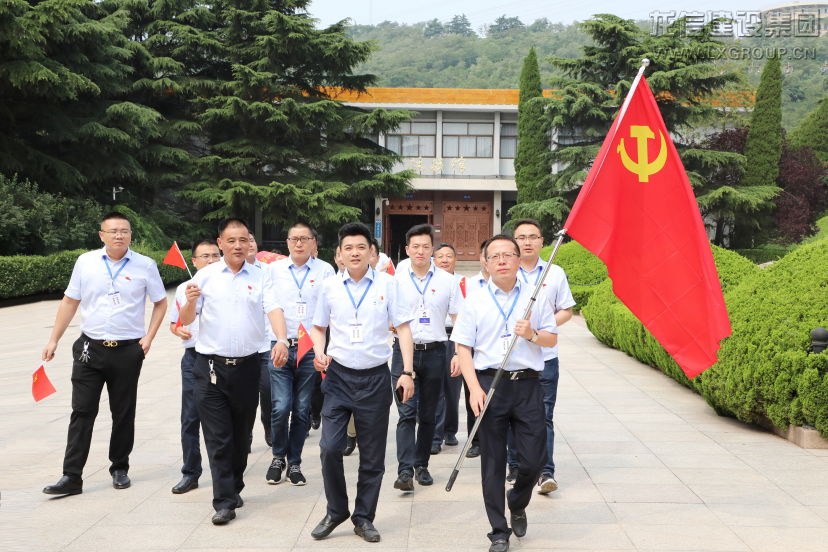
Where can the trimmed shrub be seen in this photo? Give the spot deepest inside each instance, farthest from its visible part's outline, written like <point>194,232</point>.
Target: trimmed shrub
<point>583,270</point>
<point>762,255</point>
<point>22,276</point>
<point>764,369</point>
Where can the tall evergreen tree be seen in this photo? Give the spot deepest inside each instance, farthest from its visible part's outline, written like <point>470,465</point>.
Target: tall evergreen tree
<point>531,164</point>
<point>64,73</point>
<point>433,28</point>
<point>459,25</point>
<point>763,147</point>
<point>277,136</point>
<point>595,85</point>
<point>812,132</point>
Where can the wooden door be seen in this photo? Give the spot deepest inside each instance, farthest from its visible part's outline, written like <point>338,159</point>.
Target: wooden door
<point>465,226</point>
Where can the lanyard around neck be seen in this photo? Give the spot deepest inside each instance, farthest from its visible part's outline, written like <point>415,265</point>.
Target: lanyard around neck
<point>111,277</point>
<point>505,316</point>
<point>525,279</point>
<point>297,281</point>
<point>425,287</point>
<point>354,303</point>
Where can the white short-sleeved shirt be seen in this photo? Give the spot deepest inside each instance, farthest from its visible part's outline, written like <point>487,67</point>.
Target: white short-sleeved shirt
<point>384,302</point>
<point>91,284</point>
<point>405,264</point>
<point>265,346</point>
<point>449,323</point>
<point>180,299</point>
<point>480,325</point>
<point>556,289</point>
<point>287,279</point>
<point>232,309</point>
<point>475,282</point>
<point>383,260</point>
<point>438,293</point>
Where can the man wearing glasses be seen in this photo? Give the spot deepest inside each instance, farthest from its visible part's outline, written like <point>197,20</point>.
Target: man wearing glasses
<point>111,286</point>
<point>556,288</point>
<point>489,321</point>
<point>205,252</point>
<point>298,279</point>
<point>431,294</point>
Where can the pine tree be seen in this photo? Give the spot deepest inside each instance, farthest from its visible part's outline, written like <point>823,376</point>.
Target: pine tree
<point>277,137</point>
<point>763,147</point>
<point>593,89</point>
<point>531,165</point>
<point>504,23</point>
<point>812,132</point>
<point>433,28</point>
<point>63,75</point>
<point>459,25</point>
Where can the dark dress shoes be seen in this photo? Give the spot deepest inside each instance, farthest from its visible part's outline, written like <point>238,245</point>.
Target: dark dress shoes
<point>185,485</point>
<point>474,452</point>
<point>436,448</point>
<point>120,480</point>
<point>404,482</point>
<point>367,532</point>
<point>349,446</point>
<point>239,501</point>
<point>64,487</point>
<point>325,527</point>
<point>451,440</point>
<point>423,477</point>
<point>315,421</point>
<point>499,546</point>
<point>223,516</point>
<point>519,521</point>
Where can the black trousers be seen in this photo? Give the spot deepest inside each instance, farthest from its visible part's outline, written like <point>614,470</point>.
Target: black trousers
<point>470,417</point>
<point>519,403</point>
<point>317,397</point>
<point>190,422</point>
<point>118,368</point>
<point>367,395</point>
<point>265,399</point>
<point>448,417</point>
<point>228,412</point>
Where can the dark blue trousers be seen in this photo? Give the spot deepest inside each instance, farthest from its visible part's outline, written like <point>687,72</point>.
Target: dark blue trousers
<point>549,380</point>
<point>448,415</point>
<point>518,403</point>
<point>190,442</point>
<point>291,389</point>
<point>367,395</point>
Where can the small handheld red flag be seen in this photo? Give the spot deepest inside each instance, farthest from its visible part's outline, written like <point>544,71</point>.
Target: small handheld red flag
<point>177,306</point>
<point>637,212</point>
<point>41,386</point>
<point>267,257</point>
<point>390,270</point>
<point>463,286</point>
<point>305,343</point>
<point>175,258</point>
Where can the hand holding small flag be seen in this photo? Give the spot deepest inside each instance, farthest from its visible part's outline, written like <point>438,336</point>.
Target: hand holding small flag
<point>41,386</point>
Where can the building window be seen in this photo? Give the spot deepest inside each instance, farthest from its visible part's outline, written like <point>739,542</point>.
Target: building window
<point>468,140</point>
<point>508,140</point>
<point>413,140</point>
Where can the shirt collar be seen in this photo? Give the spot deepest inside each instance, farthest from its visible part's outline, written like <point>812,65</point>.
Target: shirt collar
<point>308,264</point>
<point>245,267</point>
<point>431,270</point>
<point>494,289</point>
<point>371,275</point>
<point>539,264</point>
<point>127,255</point>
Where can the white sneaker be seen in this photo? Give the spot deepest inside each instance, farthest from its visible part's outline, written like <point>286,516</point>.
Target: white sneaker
<point>547,484</point>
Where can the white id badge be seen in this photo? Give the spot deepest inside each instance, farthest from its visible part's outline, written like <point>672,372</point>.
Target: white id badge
<point>115,301</point>
<point>505,340</point>
<point>212,374</point>
<point>301,310</point>
<point>424,318</point>
<point>356,333</point>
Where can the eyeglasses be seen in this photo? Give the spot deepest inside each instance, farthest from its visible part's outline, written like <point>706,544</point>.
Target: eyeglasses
<point>420,247</point>
<point>117,232</point>
<point>303,239</point>
<point>208,256</point>
<point>504,256</point>
<point>533,237</point>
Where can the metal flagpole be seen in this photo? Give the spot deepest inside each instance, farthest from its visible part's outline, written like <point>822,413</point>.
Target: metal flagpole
<point>502,368</point>
<point>185,260</point>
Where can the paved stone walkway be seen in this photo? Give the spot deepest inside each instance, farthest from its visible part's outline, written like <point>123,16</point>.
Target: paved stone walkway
<point>643,464</point>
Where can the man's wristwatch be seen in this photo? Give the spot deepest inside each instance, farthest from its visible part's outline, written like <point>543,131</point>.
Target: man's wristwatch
<point>534,337</point>
<point>284,342</point>
<point>409,374</point>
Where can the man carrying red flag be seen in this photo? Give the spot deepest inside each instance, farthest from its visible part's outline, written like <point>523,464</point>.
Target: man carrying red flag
<point>41,386</point>
<point>637,212</point>
<point>176,258</point>
<point>205,252</point>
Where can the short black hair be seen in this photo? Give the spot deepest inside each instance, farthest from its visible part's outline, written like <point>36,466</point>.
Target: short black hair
<point>315,234</point>
<point>442,245</point>
<point>114,215</point>
<point>301,224</point>
<point>533,222</point>
<point>483,245</point>
<point>500,237</point>
<point>355,229</point>
<point>419,230</point>
<point>375,245</point>
<point>230,222</point>
<point>202,241</point>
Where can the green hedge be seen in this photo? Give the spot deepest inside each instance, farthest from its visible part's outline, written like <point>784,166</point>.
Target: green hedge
<point>583,270</point>
<point>764,369</point>
<point>763,255</point>
<point>32,275</point>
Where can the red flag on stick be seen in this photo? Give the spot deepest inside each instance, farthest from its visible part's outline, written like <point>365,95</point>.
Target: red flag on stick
<point>305,343</point>
<point>178,323</point>
<point>463,286</point>
<point>41,386</point>
<point>175,258</point>
<point>390,270</point>
<point>641,218</point>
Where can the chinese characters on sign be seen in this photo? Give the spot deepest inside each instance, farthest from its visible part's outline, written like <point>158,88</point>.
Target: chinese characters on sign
<point>458,164</point>
<point>743,24</point>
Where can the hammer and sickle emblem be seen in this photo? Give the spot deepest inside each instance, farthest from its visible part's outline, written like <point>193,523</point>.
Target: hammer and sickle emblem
<point>642,168</point>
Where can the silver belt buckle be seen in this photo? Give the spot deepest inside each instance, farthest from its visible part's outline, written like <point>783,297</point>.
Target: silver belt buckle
<point>230,361</point>
<point>514,376</point>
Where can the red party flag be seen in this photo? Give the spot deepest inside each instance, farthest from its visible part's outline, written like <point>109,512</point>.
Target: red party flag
<point>177,306</point>
<point>267,257</point>
<point>175,258</point>
<point>463,286</point>
<point>305,343</point>
<point>641,218</point>
<point>41,386</point>
<point>390,270</point>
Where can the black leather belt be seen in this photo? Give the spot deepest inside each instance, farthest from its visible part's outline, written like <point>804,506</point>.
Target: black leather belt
<point>424,346</point>
<point>231,361</point>
<point>526,373</point>
<point>109,343</point>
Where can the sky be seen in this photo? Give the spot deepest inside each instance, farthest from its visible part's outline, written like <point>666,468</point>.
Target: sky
<point>482,12</point>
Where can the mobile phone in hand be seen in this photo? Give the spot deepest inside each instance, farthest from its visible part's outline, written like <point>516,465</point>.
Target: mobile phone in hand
<point>399,393</point>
